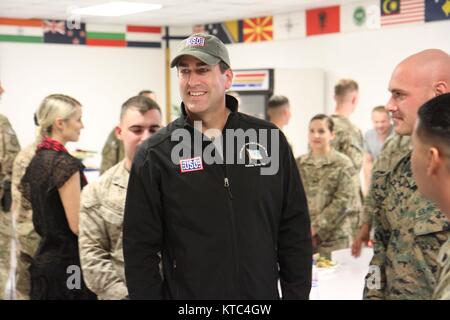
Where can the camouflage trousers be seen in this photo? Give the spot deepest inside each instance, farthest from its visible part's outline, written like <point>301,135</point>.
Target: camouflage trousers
<point>325,248</point>
<point>6,235</point>
<point>28,242</point>
<point>23,280</point>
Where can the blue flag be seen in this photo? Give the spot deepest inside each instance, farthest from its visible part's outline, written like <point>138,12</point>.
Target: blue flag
<point>437,10</point>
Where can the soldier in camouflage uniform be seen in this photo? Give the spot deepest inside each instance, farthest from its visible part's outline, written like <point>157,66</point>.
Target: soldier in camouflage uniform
<point>409,230</point>
<point>430,162</point>
<point>395,148</point>
<point>103,202</point>
<point>27,237</point>
<point>327,176</point>
<point>349,139</point>
<point>113,152</point>
<point>9,147</point>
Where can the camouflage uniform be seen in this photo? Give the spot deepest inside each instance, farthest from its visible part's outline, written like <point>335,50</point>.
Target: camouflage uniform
<point>9,147</point>
<point>26,235</point>
<point>100,233</point>
<point>349,141</point>
<point>394,148</point>
<point>112,153</point>
<point>442,290</point>
<point>329,187</point>
<point>409,231</point>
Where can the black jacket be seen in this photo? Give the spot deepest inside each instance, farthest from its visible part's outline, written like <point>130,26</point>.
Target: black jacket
<point>224,232</point>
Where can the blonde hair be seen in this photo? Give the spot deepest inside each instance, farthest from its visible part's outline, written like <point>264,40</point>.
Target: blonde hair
<point>52,107</point>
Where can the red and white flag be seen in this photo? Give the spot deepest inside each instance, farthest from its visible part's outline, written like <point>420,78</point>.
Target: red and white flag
<point>395,12</point>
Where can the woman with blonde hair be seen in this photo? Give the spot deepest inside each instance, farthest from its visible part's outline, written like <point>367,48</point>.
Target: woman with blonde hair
<point>52,185</point>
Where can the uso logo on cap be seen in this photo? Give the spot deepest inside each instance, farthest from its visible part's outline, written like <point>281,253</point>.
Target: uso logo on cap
<point>193,164</point>
<point>195,42</point>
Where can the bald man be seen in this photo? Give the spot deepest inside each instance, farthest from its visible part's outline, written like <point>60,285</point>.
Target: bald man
<point>430,162</point>
<point>409,230</point>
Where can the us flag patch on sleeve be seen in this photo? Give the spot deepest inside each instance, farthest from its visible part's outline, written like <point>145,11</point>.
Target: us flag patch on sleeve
<point>192,164</point>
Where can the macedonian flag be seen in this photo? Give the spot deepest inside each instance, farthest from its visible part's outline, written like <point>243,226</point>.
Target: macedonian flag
<point>258,29</point>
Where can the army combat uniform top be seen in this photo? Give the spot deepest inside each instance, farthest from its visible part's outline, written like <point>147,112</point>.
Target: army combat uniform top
<point>394,148</point>
<point>100,234</point>
<point>329,186</point>
<point>9,147</point>
<point>349,141</point>
<point>409,232</point>
<point>112,153</point>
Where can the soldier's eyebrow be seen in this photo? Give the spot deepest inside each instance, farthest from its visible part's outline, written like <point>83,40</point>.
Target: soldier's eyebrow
<point>135,126</point>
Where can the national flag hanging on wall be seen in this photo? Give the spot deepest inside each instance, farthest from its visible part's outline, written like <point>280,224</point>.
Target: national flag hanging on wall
<point>106,35</point>
<point>437,10</point>
<point>257,29</point>
<point>143,36</point>
<point>58,31</point>
<point>323,20</point>
<point>289,25</point>
<point>394,12</point>
<point>227,32</point>
<point>21,30</point>
<point>359,16</point>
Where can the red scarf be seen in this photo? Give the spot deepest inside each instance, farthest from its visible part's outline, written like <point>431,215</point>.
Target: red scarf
<point>52,144</point>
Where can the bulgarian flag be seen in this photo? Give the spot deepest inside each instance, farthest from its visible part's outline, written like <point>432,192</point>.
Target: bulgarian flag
<point>105,35</point>
<point>21,30</point>
<point>143,36</point>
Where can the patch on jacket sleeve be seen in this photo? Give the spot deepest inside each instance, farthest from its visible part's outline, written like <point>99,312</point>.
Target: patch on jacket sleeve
<point>192,164</point>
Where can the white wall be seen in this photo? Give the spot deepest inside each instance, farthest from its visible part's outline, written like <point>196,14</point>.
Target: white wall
<point>100,78</point>
<point>368,57</point>
<point>103,78</point>
<point>304,87</point>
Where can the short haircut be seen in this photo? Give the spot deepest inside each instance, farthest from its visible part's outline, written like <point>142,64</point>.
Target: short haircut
<point>142,103</point>
<point>144,92</point>
<point>434,121</point>
<point>277,101</point>
<point>344,87</point>
<point>381,109</point>
<point>328,120</point>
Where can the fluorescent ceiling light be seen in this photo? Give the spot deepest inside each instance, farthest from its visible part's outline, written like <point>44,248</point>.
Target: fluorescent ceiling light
<point>116,9</point>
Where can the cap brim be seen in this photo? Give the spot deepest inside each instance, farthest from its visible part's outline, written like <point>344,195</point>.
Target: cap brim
<point>202,56</point>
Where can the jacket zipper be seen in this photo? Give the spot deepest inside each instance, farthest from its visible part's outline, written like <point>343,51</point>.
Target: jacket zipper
<point>233,228</point>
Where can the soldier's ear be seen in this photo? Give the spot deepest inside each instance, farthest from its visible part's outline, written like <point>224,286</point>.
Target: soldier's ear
<point>435,161</point>
<point>118,132</point>
<point>440,87</point>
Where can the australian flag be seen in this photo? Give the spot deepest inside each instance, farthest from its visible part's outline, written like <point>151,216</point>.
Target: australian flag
<point>437,10</point>
<point>61,31</point>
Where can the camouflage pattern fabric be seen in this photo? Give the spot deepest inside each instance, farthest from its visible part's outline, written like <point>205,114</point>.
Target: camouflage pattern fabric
<point>442,291</point>
<point>394,148</point>
<point>330,188</point>
<point>409,232</point>
<point>100,233</point>
<point>112,153</point>
<point>27,237</point>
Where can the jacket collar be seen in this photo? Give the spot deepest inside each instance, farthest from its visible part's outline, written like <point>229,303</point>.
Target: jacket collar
<point>230,102</point>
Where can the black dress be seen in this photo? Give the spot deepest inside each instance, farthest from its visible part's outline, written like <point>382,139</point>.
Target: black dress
<point>55,272</point>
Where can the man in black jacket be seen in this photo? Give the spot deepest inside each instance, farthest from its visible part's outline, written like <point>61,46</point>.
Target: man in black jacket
<point>217,195</point>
